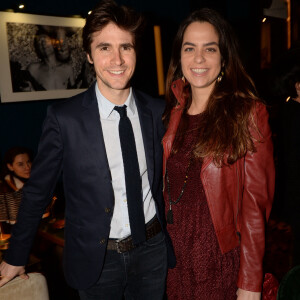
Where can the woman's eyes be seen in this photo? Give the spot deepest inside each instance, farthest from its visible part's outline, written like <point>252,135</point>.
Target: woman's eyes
<point>190,49</point>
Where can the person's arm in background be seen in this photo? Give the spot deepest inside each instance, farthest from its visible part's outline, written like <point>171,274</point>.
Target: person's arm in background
<point>37,194</point>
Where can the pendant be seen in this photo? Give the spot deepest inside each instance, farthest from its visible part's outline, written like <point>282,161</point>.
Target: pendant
<point>170,215</point>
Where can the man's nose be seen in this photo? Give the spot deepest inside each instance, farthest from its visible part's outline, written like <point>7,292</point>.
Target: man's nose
<point>117,58</point>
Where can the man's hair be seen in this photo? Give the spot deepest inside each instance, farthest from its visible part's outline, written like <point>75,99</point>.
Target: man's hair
<point>108,11</point>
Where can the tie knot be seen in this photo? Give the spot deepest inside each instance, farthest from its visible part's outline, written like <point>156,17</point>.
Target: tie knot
<point>121,110</point>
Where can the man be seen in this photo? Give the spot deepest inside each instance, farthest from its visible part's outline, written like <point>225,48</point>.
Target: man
<point>106,256</point>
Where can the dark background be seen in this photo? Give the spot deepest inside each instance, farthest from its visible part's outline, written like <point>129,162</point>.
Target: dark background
<point>21,122</point>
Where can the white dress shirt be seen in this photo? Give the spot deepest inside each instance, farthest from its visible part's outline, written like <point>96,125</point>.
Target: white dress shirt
<point>110,118</point>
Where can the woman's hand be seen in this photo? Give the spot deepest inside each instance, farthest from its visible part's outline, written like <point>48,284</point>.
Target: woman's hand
<point>247,295</point>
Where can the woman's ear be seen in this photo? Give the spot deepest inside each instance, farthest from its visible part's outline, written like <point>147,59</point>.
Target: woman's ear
<point>10,167</point>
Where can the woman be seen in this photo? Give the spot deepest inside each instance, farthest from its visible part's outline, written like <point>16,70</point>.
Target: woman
<point>16,169</point>
<point>218,166</point>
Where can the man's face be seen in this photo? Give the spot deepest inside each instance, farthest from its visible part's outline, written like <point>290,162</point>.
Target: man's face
<point>114,59</point>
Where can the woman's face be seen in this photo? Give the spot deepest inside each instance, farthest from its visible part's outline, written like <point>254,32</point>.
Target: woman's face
<point>200,56</point>
<point>21,166</point>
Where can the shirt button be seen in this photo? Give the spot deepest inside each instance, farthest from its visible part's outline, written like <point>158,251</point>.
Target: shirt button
<point>102,241</point>
<point>107,210</point>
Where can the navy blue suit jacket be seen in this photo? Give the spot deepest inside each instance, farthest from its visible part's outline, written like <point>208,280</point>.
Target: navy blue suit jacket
<point>72,144</point>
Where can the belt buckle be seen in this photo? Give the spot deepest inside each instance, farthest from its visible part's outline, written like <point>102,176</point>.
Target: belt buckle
<point>118,246</point>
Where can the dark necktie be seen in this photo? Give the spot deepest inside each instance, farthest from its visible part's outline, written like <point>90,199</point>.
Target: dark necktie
<point>132,177</point>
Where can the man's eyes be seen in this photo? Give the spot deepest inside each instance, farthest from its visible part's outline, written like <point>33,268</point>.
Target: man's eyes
<point>104,48</point>
<point>127,48</point>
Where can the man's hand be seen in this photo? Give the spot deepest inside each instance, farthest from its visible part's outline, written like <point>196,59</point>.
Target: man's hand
<point>9,272</point>
<point>247,295</point>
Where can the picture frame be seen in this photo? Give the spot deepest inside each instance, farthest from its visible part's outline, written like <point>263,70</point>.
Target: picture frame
<point>41,57</point>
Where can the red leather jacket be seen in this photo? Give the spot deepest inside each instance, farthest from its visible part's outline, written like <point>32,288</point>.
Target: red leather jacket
<point>239,196</point>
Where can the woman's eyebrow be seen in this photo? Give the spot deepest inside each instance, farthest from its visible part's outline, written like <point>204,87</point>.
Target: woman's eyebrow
<point>205,44</point>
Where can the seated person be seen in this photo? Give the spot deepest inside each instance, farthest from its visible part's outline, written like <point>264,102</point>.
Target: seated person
<point>15,172</point>
<point>16,169</point>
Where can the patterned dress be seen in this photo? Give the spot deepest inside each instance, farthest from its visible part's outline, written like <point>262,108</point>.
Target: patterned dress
<point>202,271</point>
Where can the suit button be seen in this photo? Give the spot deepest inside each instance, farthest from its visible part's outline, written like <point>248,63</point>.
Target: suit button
<point>102,241</point>
<point>107,210</point>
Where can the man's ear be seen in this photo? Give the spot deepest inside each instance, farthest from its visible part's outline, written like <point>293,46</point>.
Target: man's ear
<point>89,58</point>
<point>10,167</point>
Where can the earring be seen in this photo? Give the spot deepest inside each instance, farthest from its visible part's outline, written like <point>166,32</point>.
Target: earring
<point>183,79</point>
<point>220,77</point>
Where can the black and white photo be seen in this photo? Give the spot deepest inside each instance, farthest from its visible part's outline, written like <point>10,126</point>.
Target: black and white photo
<point>42,57</point>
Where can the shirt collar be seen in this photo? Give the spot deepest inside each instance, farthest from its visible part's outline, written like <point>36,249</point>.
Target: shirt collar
<point>106,107</point>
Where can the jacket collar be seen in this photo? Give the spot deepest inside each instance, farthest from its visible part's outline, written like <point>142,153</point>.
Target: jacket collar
<point>90,98</point>
<point>177,89</point>
<point>176,113</point>
<point>92,117</point>
<point>146,122</point>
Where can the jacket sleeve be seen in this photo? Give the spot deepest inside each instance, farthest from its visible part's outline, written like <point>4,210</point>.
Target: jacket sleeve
<point>37,191</point>
<point>256,203</point>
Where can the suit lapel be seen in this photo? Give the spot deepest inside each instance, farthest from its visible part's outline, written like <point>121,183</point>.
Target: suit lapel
<point>91,120</point>
<point>145,117</point>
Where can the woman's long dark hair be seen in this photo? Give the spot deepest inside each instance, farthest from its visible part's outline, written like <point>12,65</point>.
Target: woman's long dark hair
<point>226,122</point>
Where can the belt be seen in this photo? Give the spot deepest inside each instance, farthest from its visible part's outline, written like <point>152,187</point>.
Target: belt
<point>152,229</point>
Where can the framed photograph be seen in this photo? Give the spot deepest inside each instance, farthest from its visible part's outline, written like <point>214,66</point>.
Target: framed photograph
<point>41,57</point>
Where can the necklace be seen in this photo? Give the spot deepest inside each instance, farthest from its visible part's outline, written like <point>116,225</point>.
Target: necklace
<point>193,145</point>
<point>170,212</point>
